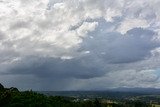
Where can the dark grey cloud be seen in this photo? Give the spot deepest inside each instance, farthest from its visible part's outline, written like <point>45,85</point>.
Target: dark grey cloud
<point>113,47</point>
<point>57,68</point>
<point>51,73</point>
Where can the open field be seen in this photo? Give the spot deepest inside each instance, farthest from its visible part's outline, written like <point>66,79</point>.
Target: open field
<point>154,105</point>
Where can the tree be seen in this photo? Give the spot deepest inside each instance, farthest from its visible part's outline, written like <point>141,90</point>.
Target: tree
<point>1,87</point>
<point>97,103</point>
<point>14,89</point>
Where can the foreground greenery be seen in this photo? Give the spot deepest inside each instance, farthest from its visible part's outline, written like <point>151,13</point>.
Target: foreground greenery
<point>11,97</point>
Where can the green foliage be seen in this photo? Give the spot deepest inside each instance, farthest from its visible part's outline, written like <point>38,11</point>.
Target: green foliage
<point>1,87</point>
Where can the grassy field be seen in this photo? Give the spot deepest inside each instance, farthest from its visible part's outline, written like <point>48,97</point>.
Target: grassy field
<point>154,105</point>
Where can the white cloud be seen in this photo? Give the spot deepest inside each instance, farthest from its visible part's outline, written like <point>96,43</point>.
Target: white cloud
<point>126,78</point>
<point>110,14</point>
<point>42,31</point>
<point>129,24</point>
<point>86,27</point>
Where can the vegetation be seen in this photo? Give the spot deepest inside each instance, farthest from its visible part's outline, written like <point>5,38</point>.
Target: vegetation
<point>12,97</point>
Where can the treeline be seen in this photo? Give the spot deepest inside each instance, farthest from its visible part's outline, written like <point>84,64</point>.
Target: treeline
<point>12,97</point>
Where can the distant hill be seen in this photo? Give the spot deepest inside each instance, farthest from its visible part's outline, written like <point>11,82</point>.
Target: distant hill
<point>138,90</point>
<point>117,93</point>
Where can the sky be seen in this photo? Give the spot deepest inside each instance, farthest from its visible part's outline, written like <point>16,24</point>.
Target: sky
<point>79,44</point>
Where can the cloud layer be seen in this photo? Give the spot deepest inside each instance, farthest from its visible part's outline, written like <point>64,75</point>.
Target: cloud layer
<point>69,44</point>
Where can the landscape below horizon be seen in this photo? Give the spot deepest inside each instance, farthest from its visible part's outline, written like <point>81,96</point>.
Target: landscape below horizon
<point>117,93</point>
<point>12,97</point>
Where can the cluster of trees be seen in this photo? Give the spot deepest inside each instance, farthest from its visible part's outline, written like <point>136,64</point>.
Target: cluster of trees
<point>11,97</point>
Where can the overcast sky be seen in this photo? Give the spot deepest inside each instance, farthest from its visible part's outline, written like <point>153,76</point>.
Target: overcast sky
<point>79,44</point>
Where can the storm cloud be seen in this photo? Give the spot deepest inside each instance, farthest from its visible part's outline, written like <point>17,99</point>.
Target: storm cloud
<point>79,44</point>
